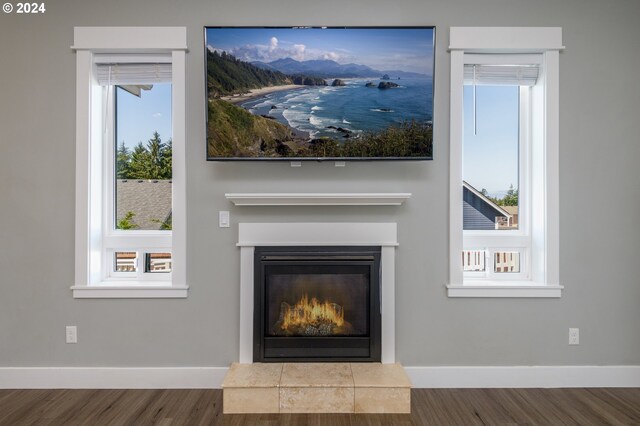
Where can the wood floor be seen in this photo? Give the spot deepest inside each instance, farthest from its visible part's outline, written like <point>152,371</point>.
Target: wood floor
<point>594,406</point>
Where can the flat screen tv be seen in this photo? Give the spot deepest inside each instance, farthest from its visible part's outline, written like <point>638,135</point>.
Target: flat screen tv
<point>319,93</point>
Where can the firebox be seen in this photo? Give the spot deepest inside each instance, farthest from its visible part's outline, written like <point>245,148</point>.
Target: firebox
<point>317,304</point>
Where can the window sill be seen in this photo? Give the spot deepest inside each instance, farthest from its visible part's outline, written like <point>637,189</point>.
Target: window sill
<point>525,289</point>
<point>131,290</point>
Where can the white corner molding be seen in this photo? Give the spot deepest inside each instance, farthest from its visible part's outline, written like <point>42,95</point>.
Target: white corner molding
<point>318,199</point>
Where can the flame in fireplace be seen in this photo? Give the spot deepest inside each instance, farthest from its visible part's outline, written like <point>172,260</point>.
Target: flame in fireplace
<point>311,312</point>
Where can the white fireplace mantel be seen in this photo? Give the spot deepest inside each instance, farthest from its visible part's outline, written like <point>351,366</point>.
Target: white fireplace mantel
<point>319,199</point>
<point>384,235</point>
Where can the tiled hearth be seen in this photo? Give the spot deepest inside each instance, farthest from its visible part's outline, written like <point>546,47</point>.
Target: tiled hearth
<point>340,387</point>
<point>316,388</point>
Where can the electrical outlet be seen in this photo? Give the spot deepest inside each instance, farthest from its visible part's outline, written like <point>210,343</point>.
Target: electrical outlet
<point>574,336</point>
<point>223,219</point>
<point>72,334</point>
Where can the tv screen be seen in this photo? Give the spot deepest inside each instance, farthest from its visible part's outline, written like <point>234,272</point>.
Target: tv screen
<point>307,93</point>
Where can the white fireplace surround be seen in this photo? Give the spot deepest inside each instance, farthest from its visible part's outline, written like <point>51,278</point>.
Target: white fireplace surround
<point>383,235</point>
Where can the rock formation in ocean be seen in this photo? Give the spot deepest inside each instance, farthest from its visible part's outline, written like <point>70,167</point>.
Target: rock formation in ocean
<point>308,81</point>
<point>338,82</point>
<point>387,85</point>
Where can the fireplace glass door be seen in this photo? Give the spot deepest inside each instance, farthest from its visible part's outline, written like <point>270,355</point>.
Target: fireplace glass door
<point>317,303</point>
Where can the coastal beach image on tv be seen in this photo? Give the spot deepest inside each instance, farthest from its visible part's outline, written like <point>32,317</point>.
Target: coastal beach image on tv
<point>307,93</point>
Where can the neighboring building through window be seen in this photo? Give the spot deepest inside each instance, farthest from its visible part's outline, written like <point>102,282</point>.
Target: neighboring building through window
<point>143,160</point>
<point>491,148</point>
<point>482,212</point>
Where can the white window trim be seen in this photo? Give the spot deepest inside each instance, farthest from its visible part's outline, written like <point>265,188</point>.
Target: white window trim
<point>544,211</point>
<point>90,261</point>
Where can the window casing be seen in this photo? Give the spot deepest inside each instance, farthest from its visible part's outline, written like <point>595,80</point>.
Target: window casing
<point>536,239</point>
<point>97,239</point>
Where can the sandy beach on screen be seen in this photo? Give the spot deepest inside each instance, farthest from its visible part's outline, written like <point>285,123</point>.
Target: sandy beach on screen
<point>256,93</point>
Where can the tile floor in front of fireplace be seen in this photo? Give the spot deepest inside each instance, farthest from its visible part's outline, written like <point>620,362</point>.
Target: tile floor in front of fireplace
<point>316,388</point>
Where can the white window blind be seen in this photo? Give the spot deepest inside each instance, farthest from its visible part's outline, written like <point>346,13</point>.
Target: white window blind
<point>501,70</point>
<point>122,70</point>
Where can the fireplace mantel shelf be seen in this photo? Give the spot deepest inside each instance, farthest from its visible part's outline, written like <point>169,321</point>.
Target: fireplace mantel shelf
<point>319,199</point>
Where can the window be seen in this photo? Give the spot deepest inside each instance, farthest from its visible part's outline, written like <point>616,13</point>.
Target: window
<point>503,163</point>
<point>130,189</point>
<point>495,164</point>
<point>142,155</point>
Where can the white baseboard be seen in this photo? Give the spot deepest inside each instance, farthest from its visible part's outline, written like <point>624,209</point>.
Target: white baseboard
<point>421,377</point>
<point>112,378</point>
<point>578,376</point>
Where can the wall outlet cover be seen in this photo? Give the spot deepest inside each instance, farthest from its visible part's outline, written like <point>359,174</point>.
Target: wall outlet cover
<point>71,334</point>
<point>574,336</point>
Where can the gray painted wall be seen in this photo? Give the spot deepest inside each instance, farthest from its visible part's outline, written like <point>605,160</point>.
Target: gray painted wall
<point>600,241</point>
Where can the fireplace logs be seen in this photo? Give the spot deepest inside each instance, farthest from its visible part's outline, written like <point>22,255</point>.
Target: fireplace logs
<point>311,318</point>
